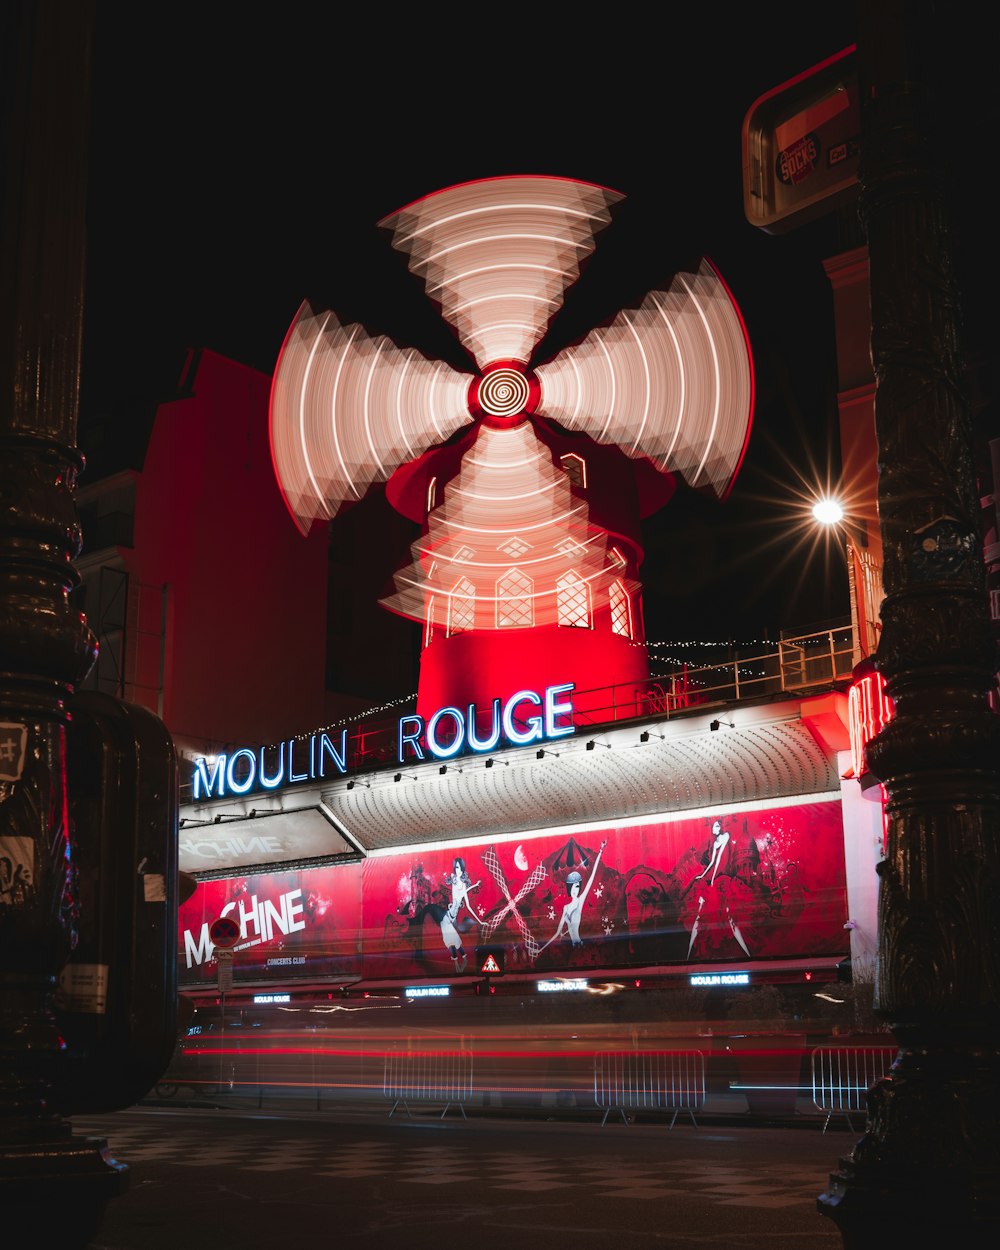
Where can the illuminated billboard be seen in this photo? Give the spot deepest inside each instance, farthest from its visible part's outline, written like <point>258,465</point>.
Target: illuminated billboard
<point>760,884</point>
<point>295,925</point>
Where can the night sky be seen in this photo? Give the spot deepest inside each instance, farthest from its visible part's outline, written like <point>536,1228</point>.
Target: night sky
<point>241,157</point>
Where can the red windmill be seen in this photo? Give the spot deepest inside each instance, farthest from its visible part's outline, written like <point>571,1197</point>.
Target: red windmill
<point>529,480</point>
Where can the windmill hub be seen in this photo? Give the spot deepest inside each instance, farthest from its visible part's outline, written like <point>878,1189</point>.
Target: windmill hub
<point>505,394</point>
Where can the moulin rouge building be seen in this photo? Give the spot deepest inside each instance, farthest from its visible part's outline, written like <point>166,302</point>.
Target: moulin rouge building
<point>544,802</point>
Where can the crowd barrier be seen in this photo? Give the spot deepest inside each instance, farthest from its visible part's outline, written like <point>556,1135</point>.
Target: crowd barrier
<point>622,1082</point>
<point>428,1076</point>
<point>650,1080</point>
<point>843,1075</point>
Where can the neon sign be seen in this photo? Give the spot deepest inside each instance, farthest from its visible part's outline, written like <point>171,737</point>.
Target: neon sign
<point>569,984</point>
<point>720,978</point>
<point>869,710</point>
<point>427,991</point>
<point>246,770</point>
<point>523,718</point>
<point>517,729</point>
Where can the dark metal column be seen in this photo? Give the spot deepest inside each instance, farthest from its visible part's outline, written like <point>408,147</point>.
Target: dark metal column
<point>60,1181</point>
<point>928,1165</point>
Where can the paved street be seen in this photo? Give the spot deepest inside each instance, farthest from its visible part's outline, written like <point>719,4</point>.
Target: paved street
<point>203,1179</point>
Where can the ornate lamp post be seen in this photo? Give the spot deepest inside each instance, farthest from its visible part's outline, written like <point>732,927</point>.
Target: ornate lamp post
<point>58,1182</point>
<point>929,1161</point>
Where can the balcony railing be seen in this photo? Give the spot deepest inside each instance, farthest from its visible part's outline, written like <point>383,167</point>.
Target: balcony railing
<point>794,664</point>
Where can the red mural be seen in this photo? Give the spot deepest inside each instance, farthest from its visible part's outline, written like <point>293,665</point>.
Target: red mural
<point>759,884</point>
<point>754,885</point>
<point>295,924</point>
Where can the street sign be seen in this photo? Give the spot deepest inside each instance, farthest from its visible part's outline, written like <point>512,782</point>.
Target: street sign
<point>224,932</point>
<point>492,965</point>
<point>225,962</point>
<point>801,146</point>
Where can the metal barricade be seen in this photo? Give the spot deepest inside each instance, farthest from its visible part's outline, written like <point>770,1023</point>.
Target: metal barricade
<point>843,1075</point>
<point>428,1076</point>
<point>650,1080</point>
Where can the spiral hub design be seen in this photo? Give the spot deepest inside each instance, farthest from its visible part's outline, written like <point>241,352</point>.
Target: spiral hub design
<point>505,394</point>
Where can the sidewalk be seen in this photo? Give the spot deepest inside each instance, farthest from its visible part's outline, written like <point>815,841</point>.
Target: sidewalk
<point>351,1176</point>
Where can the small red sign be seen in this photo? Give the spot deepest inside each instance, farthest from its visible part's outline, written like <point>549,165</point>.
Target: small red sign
<point>224,932</point>
<point>490,966</point>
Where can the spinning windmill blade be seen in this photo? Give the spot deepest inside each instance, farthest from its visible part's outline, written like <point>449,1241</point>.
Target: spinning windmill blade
<point>671,382</point>
<point>347,410</point>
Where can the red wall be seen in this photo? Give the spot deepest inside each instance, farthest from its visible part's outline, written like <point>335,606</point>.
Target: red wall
<point>245,621</point>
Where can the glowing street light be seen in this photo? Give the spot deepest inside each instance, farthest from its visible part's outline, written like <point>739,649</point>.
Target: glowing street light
<point>828,511</point>
<point>863,570</point>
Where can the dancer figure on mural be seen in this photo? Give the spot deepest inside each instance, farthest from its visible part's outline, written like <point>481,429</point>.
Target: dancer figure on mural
<point>461,885</point>
<point>569,921</point>
<point>418,908</point>
<point>712,896</point>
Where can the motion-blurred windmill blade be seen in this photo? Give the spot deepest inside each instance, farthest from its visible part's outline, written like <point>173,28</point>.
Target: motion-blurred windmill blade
<point>671,381</point>
<point>347,410</point>
<point>469,539</point>
<point>498,255</point>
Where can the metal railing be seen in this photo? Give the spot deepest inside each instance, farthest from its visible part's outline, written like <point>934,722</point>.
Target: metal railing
<point>428,1076</point>
<point>843,1075</point>
<point>812,660</point>
<point>649,1080</point>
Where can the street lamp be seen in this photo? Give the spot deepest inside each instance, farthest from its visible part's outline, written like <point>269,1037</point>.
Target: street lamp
<point>828,511</point>
<point>864,572</point>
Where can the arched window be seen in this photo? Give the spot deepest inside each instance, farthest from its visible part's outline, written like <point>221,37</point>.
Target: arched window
<point>462,607</point>
<point>575,468</point>
<point>573,600</point>
<point>621,610</point>
<point>514,604</point>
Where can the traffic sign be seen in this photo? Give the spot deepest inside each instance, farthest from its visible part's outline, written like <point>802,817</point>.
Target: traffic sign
<point>492,965</point>
<point>224,932</point>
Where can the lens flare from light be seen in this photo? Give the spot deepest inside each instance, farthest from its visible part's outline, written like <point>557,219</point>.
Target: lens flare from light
<point>828,511</point>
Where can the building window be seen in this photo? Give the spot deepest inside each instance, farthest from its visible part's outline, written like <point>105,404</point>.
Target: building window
<point>429,625</point>
<point>514,547</point>
<point>621,610</point>
<point>462,607</point>
<point>575,468</point>
<point>573,600</point>
<point>432,491</point>
<point>514,605</point>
